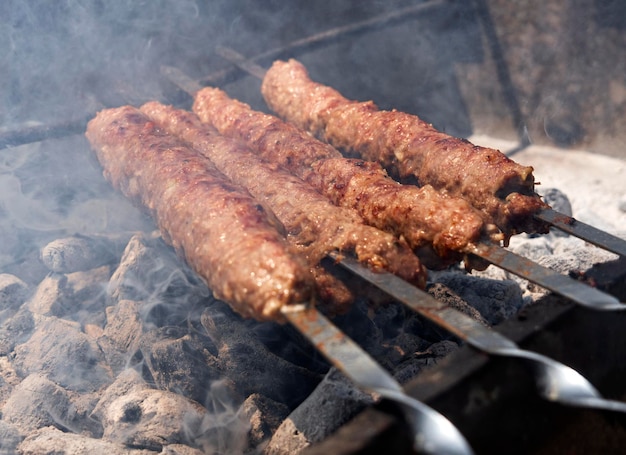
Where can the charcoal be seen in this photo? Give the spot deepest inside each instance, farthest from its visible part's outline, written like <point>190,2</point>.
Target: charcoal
<point>446,295</point>
<point>180,362</point>
<point>495,300</point>
<point>331,404</point>
<point>149,271</point>
<point>88,292</point>
<point>51,440</point>
<point>225,428</point>
<point>413,364</point>
<point>265,416</point>
<point>10,437</point>
<point>60,350</point>
<point>13,293</point>
<point>8,379</point>
<point>151,419</point>
<point>37,402</point>
<point>390,333</point>
<point>121,333</point>
<point>16,330</point>
<point>180,449</point>
<point>52,297</point>
<point>127,382</point>
<point>79,253</point>
<point>250,365</point>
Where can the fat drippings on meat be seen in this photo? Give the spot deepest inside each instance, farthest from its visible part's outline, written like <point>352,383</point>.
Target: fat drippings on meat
<point>216,226</point>
<point>408,147</point>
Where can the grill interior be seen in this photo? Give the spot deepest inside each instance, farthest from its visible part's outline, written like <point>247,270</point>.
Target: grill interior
<point>467,67</point>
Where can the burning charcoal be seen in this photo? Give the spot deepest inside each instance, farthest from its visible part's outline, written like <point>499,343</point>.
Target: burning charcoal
<point>13,293</point>
<point>180,361</point>
<point>495,300</point>
<point>415,363</point>
<point>249,364</point>
<point>37,402</point>
<point>58,349</point>
<point>76,296</point>
<point>388,333</point>
<point>10,437</point>
<point>8,380</point>
<point>52,440</point>
<point>264,415</point>
<point>51,297</point>
<point>331,404</point>
<point>16,330</point>
<point>121,333</point>
<point>179,449</point>
<point>444,294</point>
<point>88,291</point>
<point>150,272</point>
<point>151,419</point>
<point>78,253</point>
<point>128,381</point>
<point>225,427</point>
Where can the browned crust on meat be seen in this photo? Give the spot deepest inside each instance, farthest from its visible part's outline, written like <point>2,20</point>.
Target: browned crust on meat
<point>425,218</point>
<point>313,223</point>
<point>217,227</point>
<point>408,147</point>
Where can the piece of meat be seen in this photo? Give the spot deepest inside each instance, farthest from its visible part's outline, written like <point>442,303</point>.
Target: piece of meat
<point>408,148</point>
<point>315,225</point>
<point>216,226</point>
<point>426,219</point>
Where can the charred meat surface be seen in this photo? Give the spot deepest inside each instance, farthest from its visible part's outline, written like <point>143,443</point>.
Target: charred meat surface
<point>408,147</point>
<point>426,219</point>
<point>217,227</point>
<point>312,222</point>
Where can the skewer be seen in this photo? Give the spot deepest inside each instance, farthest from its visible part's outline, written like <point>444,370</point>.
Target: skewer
<point>38,133</point>
<point>563,285</point>
<point>555,381</point>
<point>432,432</point>
<point>583,231</point>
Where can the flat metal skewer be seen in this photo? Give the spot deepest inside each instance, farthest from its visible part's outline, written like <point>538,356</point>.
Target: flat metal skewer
<point>555,382</point>
<point>563,285</point>
<point>432,432</point>
<point>583,231</point>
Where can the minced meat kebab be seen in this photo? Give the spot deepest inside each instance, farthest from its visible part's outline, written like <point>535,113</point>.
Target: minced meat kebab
<point>408,147</point>
<point>222,232</point>
<point>436,226</point>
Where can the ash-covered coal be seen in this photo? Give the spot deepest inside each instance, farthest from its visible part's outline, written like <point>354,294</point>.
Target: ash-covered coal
<point>149,360</point>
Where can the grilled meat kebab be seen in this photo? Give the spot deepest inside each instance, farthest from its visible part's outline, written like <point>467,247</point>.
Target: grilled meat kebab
<point>217,227</point>
<point>313,223</point>
<point>426,219</point>
<point>407,147</point>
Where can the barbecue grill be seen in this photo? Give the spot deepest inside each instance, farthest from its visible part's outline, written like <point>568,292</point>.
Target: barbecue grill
<point>492,400</point>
